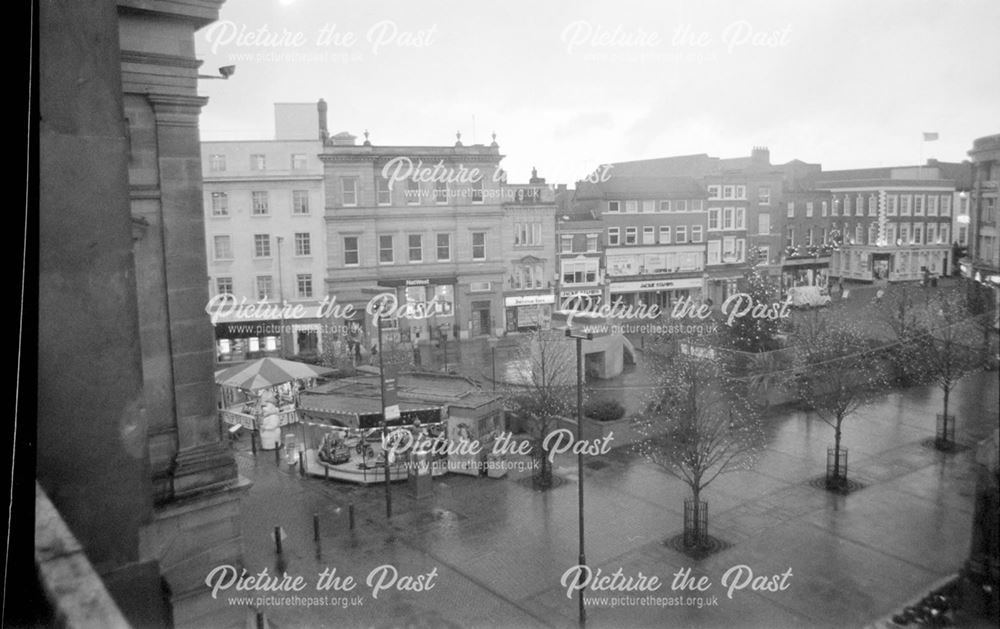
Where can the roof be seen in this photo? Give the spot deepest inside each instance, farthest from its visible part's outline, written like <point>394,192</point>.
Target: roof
<point>681,165</point>
<point>643,187</point>
<point>356,405</point>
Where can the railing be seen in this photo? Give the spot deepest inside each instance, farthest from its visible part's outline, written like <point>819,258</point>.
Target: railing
<point>234,417</point>
<point>73,588</point>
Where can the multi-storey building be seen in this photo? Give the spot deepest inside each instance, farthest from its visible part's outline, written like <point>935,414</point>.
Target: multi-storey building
<point>579,233</point>
<point>984,249</point>
<point>806,238</point>
<point>422,223</point>
<point>892,224</point>
<point>266,235</point>
<point>528,245</point>
<point>655,233</point>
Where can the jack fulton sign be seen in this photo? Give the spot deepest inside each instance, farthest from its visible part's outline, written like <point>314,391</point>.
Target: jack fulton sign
<point>653,285</point>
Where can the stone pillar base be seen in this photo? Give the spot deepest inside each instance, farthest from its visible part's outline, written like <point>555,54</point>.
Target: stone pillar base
<point>190,537</point>
<point>203,468</point>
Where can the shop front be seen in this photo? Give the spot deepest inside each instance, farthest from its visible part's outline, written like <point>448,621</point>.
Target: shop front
<point>528,311</point>
<point>660,292</point>
<point>893,264</point>
<point>810,271</point>
<point>426,308</point>
<point>247,340</point>
<point>581,299</point>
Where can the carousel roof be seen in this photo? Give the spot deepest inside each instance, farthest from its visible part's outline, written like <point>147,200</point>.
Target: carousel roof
<point>267,372</point>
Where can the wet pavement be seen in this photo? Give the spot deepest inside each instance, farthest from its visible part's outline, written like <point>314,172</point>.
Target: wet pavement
<point>496,549</point>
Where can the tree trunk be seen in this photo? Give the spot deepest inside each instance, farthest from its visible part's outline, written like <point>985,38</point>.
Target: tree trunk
<point>836,449</point>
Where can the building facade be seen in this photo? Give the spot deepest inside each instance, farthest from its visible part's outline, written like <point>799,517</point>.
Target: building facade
<point>528,245</point>
<point>266,237</point>
<point>422,224</point>
<point>580,248</point>
<point>983,262</point>
<point>893,224</point>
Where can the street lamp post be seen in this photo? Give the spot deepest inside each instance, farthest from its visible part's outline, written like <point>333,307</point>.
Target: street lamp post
<point>579,337</point>
<point>381,377</point>
<point>492,341</point>
<point>281,297</point>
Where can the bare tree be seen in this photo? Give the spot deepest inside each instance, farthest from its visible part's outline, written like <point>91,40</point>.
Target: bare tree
<point>543,392</point>
<point>698,426</point>
<point>948,350</point>
<point>903,313</point>
<point>840,375</point>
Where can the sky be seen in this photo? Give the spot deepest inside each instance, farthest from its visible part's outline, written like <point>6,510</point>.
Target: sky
<point>567,86</point>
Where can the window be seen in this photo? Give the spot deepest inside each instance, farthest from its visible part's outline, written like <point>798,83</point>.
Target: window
<point>298,161</point>
<point>300,201</point>
<point>480,287</point>
<point>415,247</point>
<point>262,245</point>
<point>741,218</point>
<point>713,192</point>
<point>224,285</point>
<point>265,287</point>
<point>527,234</point>
<point>729,249</point>
<point>648,206</point>
<point>823,236</point>
<point>304,285</point>
<point>904,204</point>
<point>764,195</point>
<point>859,234</point>
<point>791,209</point>
<point>945,206</point>
<point>383,194</point>
<point>648,235</point>
<point>823,209</point>
<point>741,192</point>
<point>258,162</point>
<point>741,249</point>
<point>918,205</point>
<point>714,252</point>
<point>385,251</point>
<point>890,233</point>
<point>443,247</point>
<point>220,204</point>
<point>764,253</point>
<point>809,236</point>
<point>809,209</point>
<point>790,236</point>
<point>591,242</point>
<point>412,192</point>
<point>728,192</point>
<point>349,191</point>
<point>223,248</point>
<point>681,234</point>
<point>614,206</point>
<point>904,233</point>
<point>260,204</point>
<point>944,233</point>
<point>697,205</point>
<point>664,234</point>
<point>892,205</point>
<point>764,223</point>
<point>579,272</point>
<point>727,218</point>
<point>664,206</point>
<point>440,192</point>
<point>872,205</point>
<point>631,207</point>
<point>713,219</point>
<point>479,244</point>
<point>963,235</point>
<point>859,205</point>
<point>918,233</point>
<point>847,205</point>
<point>932,234</point>
<point>351,251</point>
<point>697,234</point>
<point>303,245</point>
<point>614,236</point>
<point>681,205</point>
<point>566,244</point>
<point>631,235</point>
<point>834,209</point>
<point>477,191</point>
<point>932,205</point>
<point>217,163</point>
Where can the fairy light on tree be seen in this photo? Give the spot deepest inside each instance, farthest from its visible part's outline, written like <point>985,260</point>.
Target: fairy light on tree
<point>755,334</point>
<point>697,427</point>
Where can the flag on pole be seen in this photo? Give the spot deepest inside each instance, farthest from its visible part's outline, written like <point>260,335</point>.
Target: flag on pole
<point>930,137</point>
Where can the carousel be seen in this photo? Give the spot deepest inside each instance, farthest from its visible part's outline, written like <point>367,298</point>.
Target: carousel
<point>262,396</point>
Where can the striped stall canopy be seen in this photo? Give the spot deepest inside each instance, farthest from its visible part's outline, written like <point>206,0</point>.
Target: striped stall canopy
<point>267,372</point>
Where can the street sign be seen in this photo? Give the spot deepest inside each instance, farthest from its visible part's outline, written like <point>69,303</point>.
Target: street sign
<point>390,397</point>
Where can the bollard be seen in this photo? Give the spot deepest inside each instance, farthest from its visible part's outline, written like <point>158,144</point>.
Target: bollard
<point>253,442</point>
<point>326,473</point>
<point>277,454</point>
<point>316,527</point>
<point>350,516</point>
<point>302,464</point>
<point>277,539</point>
<point>260,620</point>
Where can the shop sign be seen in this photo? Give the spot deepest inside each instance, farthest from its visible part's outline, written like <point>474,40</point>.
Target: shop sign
<point>529,300</point>
<point>655,285</point>
<point>418,281</point>
<point>390,397</point>
<point>584,292</point>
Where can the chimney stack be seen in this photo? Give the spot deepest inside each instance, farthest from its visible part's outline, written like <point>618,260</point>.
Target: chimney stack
<point>321,108</point>
<point>761,156</point>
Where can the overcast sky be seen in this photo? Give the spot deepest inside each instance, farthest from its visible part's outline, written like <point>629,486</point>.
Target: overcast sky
<point>569,85</point>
